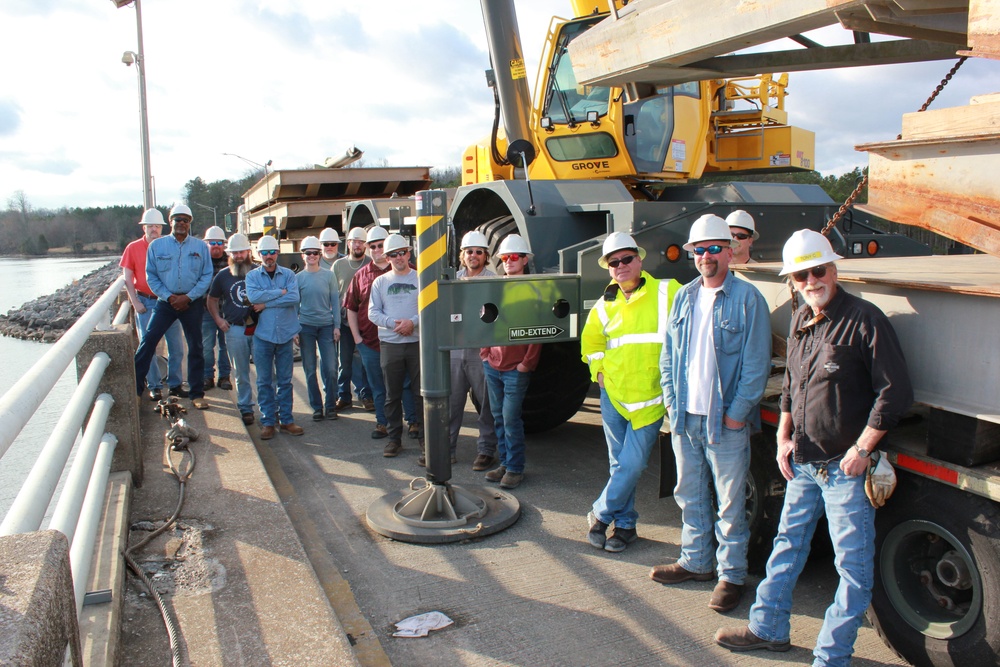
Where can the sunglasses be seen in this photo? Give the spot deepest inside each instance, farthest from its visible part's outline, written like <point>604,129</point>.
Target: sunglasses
<point>802,276</point>
<point>711,250</point>
<point>474,251</point>
<point>311,253</point>
<point>216,243</point>
<point>268,253</point>
<point>740,236</point>
<point>327,244</point>
<point>375,246</point>
<point>512,257</point>
<point>396,253</point>
<point>626,260</point>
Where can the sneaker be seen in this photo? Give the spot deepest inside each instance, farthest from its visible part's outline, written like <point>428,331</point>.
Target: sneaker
<point>267,432</point>
<point>511,480</point>
<point>369,404</point>
<point>496,475</point>
<point>318,416</point>
<point>345,404</point>
<point>199,403</point>
<point>209,383</point>
<point>225,384</point>
<point>178,391</point>
<point>414,431</point>
<point>598,534</point>
<point>155,395</point>
<point>392,448</point>
<point>380,432</point>
<point>247,418</point>
<point>482,462</point>
<point>620,538</point>
<point>675,574</point>
<point>331,414</point>
<point>725,597</point>
<point>742,639</point>
<point>292,429</point>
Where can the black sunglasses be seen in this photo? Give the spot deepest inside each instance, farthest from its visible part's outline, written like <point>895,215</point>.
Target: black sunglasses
<point>740,236</point>
<point>328,244</point>
<point>626,260</point>
<point>395,254</point>
<point>474,251</point>
<point>711,250</point>
<point>311,253</point>
<point>817,271</point>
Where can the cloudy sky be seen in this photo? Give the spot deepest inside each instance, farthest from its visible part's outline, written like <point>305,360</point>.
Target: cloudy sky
<point>296,81</point>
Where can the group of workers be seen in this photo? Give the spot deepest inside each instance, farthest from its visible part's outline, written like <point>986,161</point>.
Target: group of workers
<point>697,355</point>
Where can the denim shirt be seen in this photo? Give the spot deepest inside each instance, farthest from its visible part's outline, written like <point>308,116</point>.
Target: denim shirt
<point>174,267</point>
<point>741,325</point>
<point>279,321</point>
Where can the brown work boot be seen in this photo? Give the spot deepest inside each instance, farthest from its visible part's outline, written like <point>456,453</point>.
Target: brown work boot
<point>392,448</point>
<point>742,639</point>
<point>380,432</point>
<point>483,462</point>
<point>496,474</point>
<point>511,480</point>
<point>266,432</point>
<point>199,403</point>
<point>209,383</point>
<point>292,429</point>
<point>343,404</point>
<point>369,404</point>
<point>224,383</point>
<point>725,597</point>
<point>414,430</point>
<point>675,574</point>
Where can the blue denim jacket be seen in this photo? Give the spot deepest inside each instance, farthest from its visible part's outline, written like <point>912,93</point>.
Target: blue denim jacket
<point>279,321</point>
<point>742,334</point>
<point>178,268</point>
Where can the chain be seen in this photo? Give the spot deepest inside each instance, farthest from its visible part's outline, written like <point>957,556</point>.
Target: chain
<point>842,211</point>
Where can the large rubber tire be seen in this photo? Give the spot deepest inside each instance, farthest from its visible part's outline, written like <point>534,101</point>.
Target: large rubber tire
<point>921,523</point>
<point>765,497</point>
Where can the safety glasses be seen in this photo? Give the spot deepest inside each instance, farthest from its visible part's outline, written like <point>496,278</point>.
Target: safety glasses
<point>817,271</point>
<point>375,246</point>
<point>396,253</point>
<point>268,253</point>
<point>216,243</point>
<point>711,250</point>
<point>311,253</point>
<point>740,236</point>
<point>474,251</point>
<point>512,257</point>
<point>626,260</point>
<point>328,244</point>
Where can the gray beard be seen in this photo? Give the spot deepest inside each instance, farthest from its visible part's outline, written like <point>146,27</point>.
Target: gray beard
<point>240,269</point>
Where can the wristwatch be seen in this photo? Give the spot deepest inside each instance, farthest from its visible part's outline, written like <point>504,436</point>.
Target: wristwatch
<point>862,452</point>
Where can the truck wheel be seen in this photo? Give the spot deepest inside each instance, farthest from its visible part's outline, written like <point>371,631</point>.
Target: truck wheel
<point>765,496</point>
<point>936,576</point>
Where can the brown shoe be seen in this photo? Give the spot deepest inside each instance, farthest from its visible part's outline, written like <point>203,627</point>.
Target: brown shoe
<point>483,462</point>
<point>266,432</point>
<point>209,383</point>
<point>511,480</point>
<point>343,404</point>
<point>725,597</point>
<point>369,405</point>
<point>380,432</point>
<point>414,431</point>
<point>675,574</point>
<point>292,429</point>
<point>199,403</point>
<point>496,474</point>
<point>742,639</point>
<point>224,383</point>
<point>392,448</point>
<point>247,418</point>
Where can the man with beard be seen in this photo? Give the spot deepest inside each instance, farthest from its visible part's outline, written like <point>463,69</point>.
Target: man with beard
<point>351,368</point>
<point>713,370</point>
<point>231,312</point>
<point>744,232</point>
<point>846,384</point>
<point>276,289</point>
<point>178,272</point>
<point>216,240</point>
<point>330,240</point>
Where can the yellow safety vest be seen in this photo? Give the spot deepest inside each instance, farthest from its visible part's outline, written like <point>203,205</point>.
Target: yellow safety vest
<point>622,339</point>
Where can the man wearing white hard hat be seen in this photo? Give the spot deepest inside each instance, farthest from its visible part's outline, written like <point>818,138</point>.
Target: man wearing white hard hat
<point>236,316</point>
<point>846,384</point>
<point>744,232</point>
<point>715,362</point>
<point>351,370</point>
<point>621,343</point>
<point>133,263</point>
<point>210,332</point>
<point>466,366</point>
<point>178,272</point>
<point>330,245</point>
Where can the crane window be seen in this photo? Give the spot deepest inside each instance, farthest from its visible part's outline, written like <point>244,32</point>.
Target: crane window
<point>581,147</point>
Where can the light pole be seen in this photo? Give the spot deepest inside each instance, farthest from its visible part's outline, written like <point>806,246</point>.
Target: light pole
<point>140,62</point>
<point>215,217</point>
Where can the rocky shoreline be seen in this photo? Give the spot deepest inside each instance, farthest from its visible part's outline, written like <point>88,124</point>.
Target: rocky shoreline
<point>48,317</point>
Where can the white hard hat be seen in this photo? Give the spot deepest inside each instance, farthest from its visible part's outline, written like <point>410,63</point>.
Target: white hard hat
<point>310,243</point>
<point>709,228</point>
<point>215,233</point>
<point>804,250</point>
<point>356,234</point>
<point>376,234</point>
<point>180,209</point>
<point>237,243</point>
<point>152,216</point>
<point>474,239</point>
<point>395,242</point>
<point>267,243</point>
<point>618,241</point>
<point>513,243</point>
<point>329,235</point>
<point>742,219</point>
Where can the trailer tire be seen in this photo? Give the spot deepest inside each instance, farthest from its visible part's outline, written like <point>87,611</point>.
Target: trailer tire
<point>930,528</point>
<point>765,497</point>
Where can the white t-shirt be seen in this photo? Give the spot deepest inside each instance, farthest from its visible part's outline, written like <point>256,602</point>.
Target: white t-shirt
<point>702,368</point>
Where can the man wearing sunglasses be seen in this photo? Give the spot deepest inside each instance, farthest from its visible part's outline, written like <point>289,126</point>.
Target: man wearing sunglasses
<point>351,371</point>
<point>210,332</point>
<point>744,232</point>
<point>466,366</point>
<point>846,384</point>
<point>330,245</point>
<point>714,367</point>
<point>621,344</point>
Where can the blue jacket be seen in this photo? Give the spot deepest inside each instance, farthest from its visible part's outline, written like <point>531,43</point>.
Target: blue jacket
<point>279,321</point>
<point>742,337</point>
<point>178,268</point>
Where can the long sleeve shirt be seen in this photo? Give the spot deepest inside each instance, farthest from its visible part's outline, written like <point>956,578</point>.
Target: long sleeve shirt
<point>394,297</point>
<point>174,267</point>
<point>357,297</point>
<point>278,322</point>
<point>319,298</point>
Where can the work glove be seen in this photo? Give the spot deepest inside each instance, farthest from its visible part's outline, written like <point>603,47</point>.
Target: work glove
<point>880,480</point>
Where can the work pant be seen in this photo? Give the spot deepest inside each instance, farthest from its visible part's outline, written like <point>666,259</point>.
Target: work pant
<point>399,362</point>
<point>372,360</point>
<point>507,390</point>
<point>210,333</point>
<point>164,316</point>
<point>467,375</point>
<point>352,371</point>
<point>311,339</point>
<point>274,381</point>
<point>239,345</point>
<point>175,348</point>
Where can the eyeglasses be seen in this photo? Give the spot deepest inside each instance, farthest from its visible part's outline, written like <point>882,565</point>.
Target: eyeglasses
<point>711,250</point>
<point>216,243</point>
<point>327,244</point>
<point>626,260</point>
<point>474,251</point>
<point>817,271</point>
<point>396,253</point>
<point>740,236</point>
<point>310,253</point>
<point>185,220</point>
<point>375,246</point>
<point>512,257</point>
<point>268,253</point>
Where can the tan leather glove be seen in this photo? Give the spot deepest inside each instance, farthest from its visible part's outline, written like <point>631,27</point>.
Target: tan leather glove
<point>880,481</point>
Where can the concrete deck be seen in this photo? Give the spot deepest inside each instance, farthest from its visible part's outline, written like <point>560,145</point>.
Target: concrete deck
<point>251,590</point>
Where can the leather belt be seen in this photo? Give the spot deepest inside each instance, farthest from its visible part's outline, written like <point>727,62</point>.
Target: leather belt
<point>148,296</point>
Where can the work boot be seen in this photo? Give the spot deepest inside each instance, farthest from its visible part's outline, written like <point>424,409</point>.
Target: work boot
<point>483,462</point>
<point>392,448</point>
<point>266,432</point>
<point>511,480</point>
<point>620,538</point>
<point>598,533</point>
<point>209,383</point>
<point>675,574</point>
<point>344,404</point>
<point>496,474</point>
<point>292,429</point>
<point>224,383</point>
<point>725,597</point>
<point>742,639</point>
<point>369,404</point>
<point>331,414</point>
<point>179,391</point>
<point>248,418</point>
<point>414,430</point>
<point>199,403</point>
<point>155,395</point>
<point>380,432</point>
<point>318,416</point>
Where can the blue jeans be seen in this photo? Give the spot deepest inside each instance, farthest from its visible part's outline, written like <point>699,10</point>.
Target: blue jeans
<point>507,390</point>
<point>209,334</point>
<point>352,371</point>
<point>702,466</point>
<point>238,344</point>
<point>164,316</point>
<point>274,381</point>
<point>310,338</point>
<point>852,529</point>
<point>373,370</point>
<point>175,348</point>
<point>628,453</point>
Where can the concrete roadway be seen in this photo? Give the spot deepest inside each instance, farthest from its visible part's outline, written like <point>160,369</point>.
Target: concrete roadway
<point>534,594</point>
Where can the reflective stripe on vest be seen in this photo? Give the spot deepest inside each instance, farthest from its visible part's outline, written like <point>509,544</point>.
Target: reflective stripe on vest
<point>632,407</point>
<point>635,338</point>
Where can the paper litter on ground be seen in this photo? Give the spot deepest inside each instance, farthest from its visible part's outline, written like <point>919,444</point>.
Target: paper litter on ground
<point>421,624</point>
